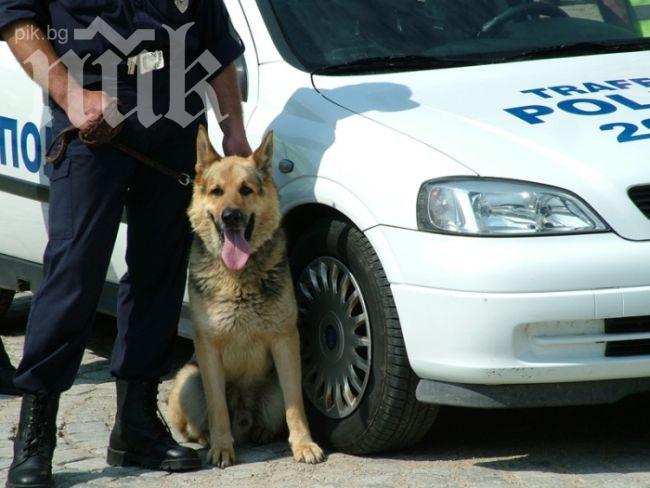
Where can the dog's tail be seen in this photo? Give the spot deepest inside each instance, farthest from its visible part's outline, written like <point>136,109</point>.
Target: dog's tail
<point>186,407</point>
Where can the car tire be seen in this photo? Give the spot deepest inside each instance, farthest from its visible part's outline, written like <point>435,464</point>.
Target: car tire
<point>380,411</point>
<point>6,297</point>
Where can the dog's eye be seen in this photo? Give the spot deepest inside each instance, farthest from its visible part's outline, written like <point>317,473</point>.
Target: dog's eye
<point>245,190</point>
<point>218,191</point>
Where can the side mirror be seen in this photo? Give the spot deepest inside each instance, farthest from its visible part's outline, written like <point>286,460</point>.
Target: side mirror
<point>242,75</point>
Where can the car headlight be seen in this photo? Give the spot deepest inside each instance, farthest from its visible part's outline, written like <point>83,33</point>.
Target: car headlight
<point>495,207</point>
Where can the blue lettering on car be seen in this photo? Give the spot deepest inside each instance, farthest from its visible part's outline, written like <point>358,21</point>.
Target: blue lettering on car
<point>597,87</point>
<point>28,136</point>
<point>575,103</point>
<point>531,113</point>
<point>586,106</point>
<point>629,132</point>
<point>11,126</point>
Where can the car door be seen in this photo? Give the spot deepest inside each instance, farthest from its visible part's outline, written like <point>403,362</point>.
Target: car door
<point>24,133</point>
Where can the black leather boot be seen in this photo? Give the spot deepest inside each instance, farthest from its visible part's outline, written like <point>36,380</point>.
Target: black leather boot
<point>140,436</point>
<point>7,372</point>
<point>35,443</point>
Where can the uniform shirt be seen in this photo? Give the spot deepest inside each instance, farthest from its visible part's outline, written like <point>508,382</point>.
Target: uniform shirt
<point>211,31</point>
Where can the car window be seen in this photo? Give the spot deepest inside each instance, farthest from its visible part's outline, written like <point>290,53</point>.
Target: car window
<point>323,33</point>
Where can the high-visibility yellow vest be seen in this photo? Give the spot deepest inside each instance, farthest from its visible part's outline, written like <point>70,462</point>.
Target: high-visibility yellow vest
<point>640,10</point>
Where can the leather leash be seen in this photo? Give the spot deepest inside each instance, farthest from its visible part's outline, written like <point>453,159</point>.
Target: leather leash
<point>103,134</point>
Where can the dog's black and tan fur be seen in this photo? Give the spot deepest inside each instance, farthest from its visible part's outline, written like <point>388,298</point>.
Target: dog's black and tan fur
<point>246,380</point>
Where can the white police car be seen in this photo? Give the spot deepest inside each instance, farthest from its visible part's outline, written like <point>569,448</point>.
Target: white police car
<point>466,189</point>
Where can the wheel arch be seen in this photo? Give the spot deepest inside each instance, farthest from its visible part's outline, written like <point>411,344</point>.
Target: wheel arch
<point>300,217</point>
<point>310,198</point>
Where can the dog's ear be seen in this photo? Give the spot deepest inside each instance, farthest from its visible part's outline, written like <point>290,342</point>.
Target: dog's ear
<point>205,153</point>
<point>263,155</point>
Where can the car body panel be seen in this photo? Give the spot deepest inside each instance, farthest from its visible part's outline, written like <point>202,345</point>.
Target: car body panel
<point>517,264</point>
<point>328,142</point>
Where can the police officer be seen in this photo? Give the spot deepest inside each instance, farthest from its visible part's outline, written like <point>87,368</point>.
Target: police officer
<point>89,189</point>
<point>632,14</point>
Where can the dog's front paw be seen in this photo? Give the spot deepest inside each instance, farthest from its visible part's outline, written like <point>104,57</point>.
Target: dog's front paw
<point>308,452</point>
<point>221,456</point>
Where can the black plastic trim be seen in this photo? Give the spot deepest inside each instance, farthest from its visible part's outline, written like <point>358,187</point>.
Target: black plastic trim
<point>529,395</point>
<point>32,191</point>
<point>13,269</point>
<point>24,189</point>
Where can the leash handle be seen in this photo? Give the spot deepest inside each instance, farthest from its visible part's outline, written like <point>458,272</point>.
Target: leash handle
<point>63,137</point>
<point>100,133</point>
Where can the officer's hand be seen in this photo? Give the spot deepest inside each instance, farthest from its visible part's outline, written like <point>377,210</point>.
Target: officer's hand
<point>236,145</point>
<point>89,107</point>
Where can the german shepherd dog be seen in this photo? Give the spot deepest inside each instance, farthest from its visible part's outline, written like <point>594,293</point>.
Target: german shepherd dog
<point>245,380</point>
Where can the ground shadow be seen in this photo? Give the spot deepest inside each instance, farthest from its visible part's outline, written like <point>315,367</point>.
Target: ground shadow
<point>74,478</point>
<point>575,440</point>
<point>14,322</point>
<point>247,454</point>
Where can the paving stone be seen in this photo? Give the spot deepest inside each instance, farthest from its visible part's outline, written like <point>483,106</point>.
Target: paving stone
<point>64,454</point>
<point>385,481</point>
<point>90,464</point>
<point>86,427</point>
<point>5,462</point>
<point>428,480</point>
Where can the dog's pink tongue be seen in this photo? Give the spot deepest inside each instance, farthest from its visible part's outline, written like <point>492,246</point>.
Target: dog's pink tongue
<point>235,252</point>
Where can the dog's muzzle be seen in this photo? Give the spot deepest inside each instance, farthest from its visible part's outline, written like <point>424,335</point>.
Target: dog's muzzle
<point>227,223</point>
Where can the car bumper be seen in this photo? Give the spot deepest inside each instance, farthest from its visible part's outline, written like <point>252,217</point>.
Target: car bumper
<point>518,311</point>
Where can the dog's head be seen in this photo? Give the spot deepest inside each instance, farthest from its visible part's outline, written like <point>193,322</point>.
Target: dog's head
<point>235,207</point>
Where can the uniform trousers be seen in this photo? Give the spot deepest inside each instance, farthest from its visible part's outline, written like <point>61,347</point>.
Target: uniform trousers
<point>91,189</point>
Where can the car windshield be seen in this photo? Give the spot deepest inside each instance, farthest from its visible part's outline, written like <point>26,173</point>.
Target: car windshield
<point>368,35</point>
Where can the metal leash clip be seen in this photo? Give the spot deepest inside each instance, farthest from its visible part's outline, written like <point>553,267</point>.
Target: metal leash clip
<point>184,179</point>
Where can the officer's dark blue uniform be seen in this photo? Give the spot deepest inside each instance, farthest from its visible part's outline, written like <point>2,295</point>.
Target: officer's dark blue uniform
<point>90,187</point>
<point>89,190</point>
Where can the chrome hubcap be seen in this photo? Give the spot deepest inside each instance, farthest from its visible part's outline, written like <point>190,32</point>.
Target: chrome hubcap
<point>335,337</point>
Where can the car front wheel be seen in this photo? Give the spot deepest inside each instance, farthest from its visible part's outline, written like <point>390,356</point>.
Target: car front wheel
<point>358,384</point>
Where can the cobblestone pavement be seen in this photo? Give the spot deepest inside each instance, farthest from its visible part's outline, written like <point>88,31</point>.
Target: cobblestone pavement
<point>572,447</point>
